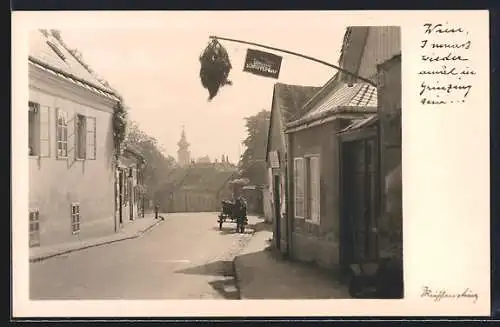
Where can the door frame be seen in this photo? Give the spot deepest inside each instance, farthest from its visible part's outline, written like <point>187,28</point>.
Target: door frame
<point>346,255</point>
<point>277,208</point>
<point>120,196</point>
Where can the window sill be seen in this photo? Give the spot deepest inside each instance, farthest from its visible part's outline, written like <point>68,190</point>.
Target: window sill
<point>80,159</point>
<point>312,222</point>
<point>62,158</point>
<point>33,156</point>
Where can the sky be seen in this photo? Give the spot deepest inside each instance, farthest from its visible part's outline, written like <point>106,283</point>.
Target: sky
<point>156,70</point>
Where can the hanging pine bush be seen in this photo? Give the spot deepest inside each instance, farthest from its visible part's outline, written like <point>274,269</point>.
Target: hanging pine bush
<point>119,126</point>
<point>215,67</point>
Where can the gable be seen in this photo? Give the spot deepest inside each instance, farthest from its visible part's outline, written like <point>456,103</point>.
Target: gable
<point>352,51</point>
<point>383,43</point>
<point>288,103</point>
<point>275,137</point>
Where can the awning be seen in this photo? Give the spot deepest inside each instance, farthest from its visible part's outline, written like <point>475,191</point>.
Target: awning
<point>361,123</point>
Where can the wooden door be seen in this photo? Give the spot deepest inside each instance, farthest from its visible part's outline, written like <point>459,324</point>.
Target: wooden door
<point>360,200</point>
<point>277,208</point>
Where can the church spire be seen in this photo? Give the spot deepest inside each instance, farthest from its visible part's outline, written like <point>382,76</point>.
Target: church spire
<point>183,155</point>
<point>183,143</point>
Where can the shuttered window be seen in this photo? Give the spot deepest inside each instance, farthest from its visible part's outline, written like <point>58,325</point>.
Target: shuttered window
<point>81,136</point>
<point>314,175</point>
<point>33,128</point>
<point>91,138</point>
<point>44,131</point>
<point>299,187</point>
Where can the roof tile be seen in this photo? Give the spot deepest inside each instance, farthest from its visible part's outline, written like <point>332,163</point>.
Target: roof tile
<point>360,97</point>
<point>41,50</point>
<point>293,98</point>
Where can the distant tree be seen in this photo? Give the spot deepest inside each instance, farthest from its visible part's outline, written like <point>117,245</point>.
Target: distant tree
<point>158,165</point>
<point>252,163</point>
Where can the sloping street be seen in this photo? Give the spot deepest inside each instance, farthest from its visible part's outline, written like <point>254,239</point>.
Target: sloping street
<point>186,256</point>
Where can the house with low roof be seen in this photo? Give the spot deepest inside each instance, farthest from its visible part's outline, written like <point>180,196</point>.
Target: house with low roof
<point>287,101</point>
<point>314,156</point>
<point>129,185</point>
<point>200,187</point>
<point>71,149</point>
<point>322,165</point>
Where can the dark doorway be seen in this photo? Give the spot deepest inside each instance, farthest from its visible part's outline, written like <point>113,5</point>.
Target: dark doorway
<point>120,196</point>
<point>131,199</point>
<point>277,209</point>
<point>360,202</point>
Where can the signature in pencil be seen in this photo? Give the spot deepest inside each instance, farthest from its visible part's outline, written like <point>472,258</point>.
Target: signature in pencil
<point>439,294</point>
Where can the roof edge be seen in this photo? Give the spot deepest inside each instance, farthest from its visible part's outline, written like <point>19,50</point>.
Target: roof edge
<point>59,71</point>
<point>328,113</point>
<point>391,59</point>
<point>270,122</point>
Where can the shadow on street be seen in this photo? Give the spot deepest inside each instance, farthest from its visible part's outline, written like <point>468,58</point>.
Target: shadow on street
<point>216,268</point>
<point>221,287</point>
<point>231,229</point>
<point>225,286</point>
<point>265,275</point>
<point>261,226</point>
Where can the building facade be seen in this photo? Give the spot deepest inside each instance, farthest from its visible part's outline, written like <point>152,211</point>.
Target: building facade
<point>391,182</point>
<point>287,103</point>
<point>314,154</point>
<point>321,166</point>
<point>129,200</point>
<point>70,147</point>
<point>198,188</point>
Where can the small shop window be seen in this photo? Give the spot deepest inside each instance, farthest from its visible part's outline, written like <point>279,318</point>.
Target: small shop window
<point>75,218</point>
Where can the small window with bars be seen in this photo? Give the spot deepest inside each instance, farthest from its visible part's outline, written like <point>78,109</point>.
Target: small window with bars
<point>34,221</point>
<point>75,218</point>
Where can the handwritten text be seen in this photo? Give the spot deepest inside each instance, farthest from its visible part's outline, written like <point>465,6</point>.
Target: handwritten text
<point>446,70</point>
<point>440,294</point>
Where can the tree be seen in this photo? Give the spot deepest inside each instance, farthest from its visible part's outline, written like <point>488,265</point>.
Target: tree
<point>157,166</point>
<point>252,163</point>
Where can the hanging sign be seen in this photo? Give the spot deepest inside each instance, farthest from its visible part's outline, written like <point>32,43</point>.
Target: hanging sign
<point>262,63</point>
<point>274,159</point>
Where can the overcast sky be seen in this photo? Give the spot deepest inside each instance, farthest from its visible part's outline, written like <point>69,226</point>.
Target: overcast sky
<point>157,71</point>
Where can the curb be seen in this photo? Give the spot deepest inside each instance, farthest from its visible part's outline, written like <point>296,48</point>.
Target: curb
<point>106,242</point>
<point>237,279</point>
<point>236,271</point>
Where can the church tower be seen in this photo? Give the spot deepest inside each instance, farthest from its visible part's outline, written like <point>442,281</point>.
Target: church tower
<point>183,155</point>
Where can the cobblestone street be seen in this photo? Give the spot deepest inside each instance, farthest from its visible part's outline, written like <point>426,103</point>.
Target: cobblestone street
<point>185,257</point>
